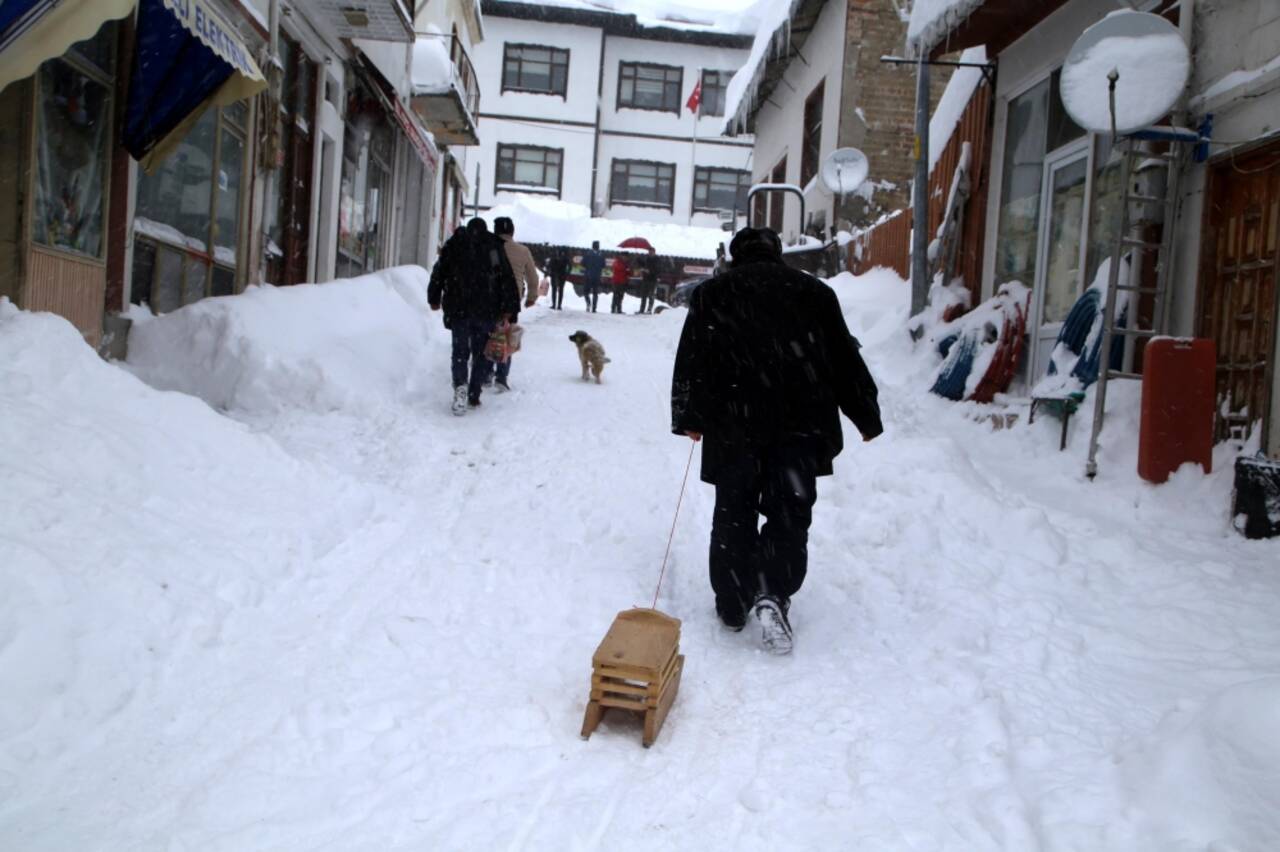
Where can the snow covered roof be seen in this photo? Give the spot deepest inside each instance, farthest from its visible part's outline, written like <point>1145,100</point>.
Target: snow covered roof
<point>946,116</point>
<point>783,28</point>
<point>724,24</point>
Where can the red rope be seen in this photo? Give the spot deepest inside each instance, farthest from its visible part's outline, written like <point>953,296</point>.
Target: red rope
<point>692,445</point>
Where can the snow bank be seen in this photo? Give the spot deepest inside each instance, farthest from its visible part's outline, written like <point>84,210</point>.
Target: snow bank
<point>345,344</point>
<point>549,220</point>
<point>1212,773</point>
<point>932,20</point>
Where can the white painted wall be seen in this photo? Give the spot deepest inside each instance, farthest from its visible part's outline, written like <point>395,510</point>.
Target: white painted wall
<point>780,121</point>
<point>568,123</point>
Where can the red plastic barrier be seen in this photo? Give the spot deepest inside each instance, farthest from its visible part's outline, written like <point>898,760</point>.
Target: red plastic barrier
<point>1177,406</point>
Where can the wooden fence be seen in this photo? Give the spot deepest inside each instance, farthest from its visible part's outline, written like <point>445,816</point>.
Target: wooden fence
<point>888,242</point>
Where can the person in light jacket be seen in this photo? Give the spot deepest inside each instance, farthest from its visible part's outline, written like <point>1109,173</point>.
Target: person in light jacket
<point>526,274</point>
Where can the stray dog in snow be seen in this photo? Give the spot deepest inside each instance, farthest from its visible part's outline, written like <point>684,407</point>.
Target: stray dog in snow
<point>590,353</point>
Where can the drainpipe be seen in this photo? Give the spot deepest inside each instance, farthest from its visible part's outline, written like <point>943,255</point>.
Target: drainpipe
<point>595,149</point>
<point>920,192</point>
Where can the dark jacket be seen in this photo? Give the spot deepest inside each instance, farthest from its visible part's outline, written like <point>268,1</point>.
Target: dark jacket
<point>472,278</point>
<point>766,360</point>
<point>592,266</point>
<point>557,266</point>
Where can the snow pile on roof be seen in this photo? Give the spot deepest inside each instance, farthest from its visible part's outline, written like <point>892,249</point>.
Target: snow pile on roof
<point>432,72</point>
<point>555,222</point>
<point>1235,80</point>
<point>726,16</point>
<point>346,344</point>
<point>772,37</point>
<point>932,20</point>
<point>946,116</point>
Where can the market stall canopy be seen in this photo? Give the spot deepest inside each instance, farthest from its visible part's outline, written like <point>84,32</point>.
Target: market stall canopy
<point>33,31</point>
<point>188,58</point>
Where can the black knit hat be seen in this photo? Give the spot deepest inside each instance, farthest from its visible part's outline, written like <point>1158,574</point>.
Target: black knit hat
<point>503,225</point>
<point>754,245</point>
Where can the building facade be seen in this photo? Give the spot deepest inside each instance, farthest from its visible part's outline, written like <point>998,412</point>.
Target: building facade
<point>593,108</point>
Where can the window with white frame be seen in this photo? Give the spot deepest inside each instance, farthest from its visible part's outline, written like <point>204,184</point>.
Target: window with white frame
<point>529,167</point>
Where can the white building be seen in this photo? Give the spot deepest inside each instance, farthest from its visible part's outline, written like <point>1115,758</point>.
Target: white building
<point>590,107</point>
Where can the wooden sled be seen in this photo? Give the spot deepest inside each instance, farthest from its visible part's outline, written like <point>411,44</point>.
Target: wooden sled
<point>637,667</point>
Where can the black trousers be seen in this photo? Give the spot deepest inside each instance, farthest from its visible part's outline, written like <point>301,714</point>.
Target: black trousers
<point>748,560</point>
<point>557,292</point>
<point>591,292</point>
<point>619,290</point>
<point>646,296</point>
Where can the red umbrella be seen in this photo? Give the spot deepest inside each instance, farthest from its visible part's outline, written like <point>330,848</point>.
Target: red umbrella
<point>636,243</point>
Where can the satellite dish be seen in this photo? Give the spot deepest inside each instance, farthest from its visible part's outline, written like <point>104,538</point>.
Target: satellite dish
<point>844,170</point>
<point>1151,62</point>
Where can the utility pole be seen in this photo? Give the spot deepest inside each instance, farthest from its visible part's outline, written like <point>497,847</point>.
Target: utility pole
<point>920,193</point>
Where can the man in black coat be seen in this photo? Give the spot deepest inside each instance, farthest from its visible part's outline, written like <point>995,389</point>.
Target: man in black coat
<point>473,282</point>
<point>764,368</point>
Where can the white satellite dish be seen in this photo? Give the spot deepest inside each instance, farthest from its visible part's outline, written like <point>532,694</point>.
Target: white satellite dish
<point>1151,62</point>
<point>844,170</point>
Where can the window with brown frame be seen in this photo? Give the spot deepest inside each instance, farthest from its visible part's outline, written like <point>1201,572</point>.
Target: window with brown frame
<point>536,69</point>
<point>643,183</point>
<point>811,141</point>
<point>778,200</point>
<point>645,86</point>
<point>529,167</point>
<point>720,189</point>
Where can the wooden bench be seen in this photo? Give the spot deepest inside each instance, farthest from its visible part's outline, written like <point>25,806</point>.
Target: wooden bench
<point>637,667</point>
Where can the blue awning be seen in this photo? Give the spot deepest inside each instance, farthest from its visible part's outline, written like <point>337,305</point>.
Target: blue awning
<point>33,31</point>
<point>188,58</point>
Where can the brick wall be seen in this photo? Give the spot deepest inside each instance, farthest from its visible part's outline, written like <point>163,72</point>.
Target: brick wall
<point>886,96</point>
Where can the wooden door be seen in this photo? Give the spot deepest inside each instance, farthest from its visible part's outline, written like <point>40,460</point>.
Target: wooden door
<point>1238,285</point>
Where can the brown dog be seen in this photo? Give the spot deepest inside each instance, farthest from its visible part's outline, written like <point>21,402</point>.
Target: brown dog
<point>590,353</point>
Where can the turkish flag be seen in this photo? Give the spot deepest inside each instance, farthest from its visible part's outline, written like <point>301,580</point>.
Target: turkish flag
<point>695,98</point>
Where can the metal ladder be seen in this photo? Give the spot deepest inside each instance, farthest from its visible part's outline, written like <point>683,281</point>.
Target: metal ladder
<point>1129,241</point>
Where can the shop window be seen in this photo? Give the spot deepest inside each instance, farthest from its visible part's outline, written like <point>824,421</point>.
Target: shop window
<point>720,189</point>
<point>529,166</point>
<point>714,85</point>
<point>655,87</point>
<point>811,141</point>
<point>365,177</point>
<point>643,183</point>
<point>188,214</point>
<point>73,121</point>
<point>534,68</point>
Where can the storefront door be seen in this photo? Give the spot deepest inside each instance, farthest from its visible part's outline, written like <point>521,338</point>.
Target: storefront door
<point>1238,290</point>
<point>1059,279</point>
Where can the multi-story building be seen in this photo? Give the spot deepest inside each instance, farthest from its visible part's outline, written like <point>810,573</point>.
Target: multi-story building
<point>593,108</point>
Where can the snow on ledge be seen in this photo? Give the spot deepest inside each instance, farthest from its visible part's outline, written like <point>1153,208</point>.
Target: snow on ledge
<point>932,20</point>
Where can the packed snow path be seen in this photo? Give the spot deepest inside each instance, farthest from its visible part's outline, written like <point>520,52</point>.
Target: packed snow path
<point>371,628</point>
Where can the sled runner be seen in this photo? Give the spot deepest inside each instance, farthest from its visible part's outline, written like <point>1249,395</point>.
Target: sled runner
<point>637,667</point>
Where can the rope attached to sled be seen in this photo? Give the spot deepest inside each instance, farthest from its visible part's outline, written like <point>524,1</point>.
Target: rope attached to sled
<point>692,446</point>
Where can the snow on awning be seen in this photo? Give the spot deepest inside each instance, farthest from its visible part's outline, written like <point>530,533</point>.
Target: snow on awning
<point>187,59</point>
<point>33,31</point>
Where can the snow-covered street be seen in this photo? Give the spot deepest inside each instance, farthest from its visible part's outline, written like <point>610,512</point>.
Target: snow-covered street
<point>336,617</point>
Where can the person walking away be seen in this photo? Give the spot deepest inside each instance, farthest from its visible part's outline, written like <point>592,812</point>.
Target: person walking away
<point>592,268</point>
<point>526,280</point>
<point>473,283</point>
<point>557,271</point>
<point>620,273</point>
<point>764,368</point>
<point>648,284</point>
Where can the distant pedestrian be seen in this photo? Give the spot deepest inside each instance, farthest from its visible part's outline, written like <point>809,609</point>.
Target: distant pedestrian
<point>764,368</point>
<point>526,280</point>
<point>473,283</point>
<point>557,271</point>
<point>648,284</point>
<point>592,268</point>
<point>619,280</point>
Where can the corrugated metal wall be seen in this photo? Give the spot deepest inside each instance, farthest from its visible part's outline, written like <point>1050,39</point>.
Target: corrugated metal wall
<point>889,243</point>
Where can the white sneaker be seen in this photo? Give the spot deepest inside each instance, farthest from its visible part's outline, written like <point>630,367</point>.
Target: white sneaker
<point>775,630</point>
<point>459,407</point>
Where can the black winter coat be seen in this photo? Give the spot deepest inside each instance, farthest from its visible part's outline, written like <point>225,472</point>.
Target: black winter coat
<point>766,360</point>
<point>472,279</point>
